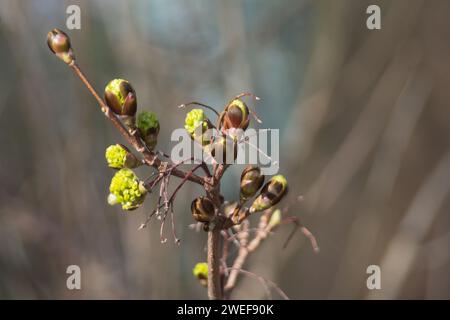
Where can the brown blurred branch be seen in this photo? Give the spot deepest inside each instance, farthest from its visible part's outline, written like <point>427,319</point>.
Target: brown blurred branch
<point>265,282</point>
<point>149,157</point>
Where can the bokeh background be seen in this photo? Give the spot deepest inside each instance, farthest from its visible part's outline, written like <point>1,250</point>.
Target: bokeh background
<point>364,119</point>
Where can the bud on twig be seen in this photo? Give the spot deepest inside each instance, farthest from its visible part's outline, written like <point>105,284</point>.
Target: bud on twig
<point>121,98</point>
<point>235,115</point>
<point>223,150</point>
<point>272,192</point>
<point>148,126</point>
<point>59,43</point>
<point>119,156</point>
<point>251,181</point>
<point>202,209</point>
<point>200,271</point>
<point>275,219</point>
<point>198,126</point>
<point>127,190</point>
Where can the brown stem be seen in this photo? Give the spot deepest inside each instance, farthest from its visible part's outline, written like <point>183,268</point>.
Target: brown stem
<point>214,240</point>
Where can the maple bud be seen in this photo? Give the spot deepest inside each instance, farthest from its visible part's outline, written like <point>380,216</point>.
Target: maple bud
<point>121,97</point>
<point>148,126</point>
<point>223,150</point>
<point>119,156</point>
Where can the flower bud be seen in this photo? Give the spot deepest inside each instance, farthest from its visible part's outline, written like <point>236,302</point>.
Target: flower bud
<point>251,181</point>
<point>275,219</point>
<point>121,97</point>
<point>127,190</point>
<point>272,192</point>
<point>202,209</point>
<point>198,126</point>
<point>148,126</point>
<point>118,157</point>
<point>200,271</point>
<point>112,199</point>
<point>235,115</point>
<point>223,150</point>
<point>59,44</point>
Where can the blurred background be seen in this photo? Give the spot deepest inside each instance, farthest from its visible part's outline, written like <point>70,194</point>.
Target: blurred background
<point>364,122</point>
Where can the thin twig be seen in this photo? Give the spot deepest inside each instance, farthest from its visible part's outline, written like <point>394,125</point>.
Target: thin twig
<point>149,157</point>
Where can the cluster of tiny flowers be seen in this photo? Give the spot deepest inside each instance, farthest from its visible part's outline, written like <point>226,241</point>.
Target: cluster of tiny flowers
<point>125,189</point>
<point>116,156</point>
<point>194,119</point>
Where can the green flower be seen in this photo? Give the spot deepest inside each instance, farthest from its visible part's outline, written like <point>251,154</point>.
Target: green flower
<point>200,271</point>
<point>148,126</point>
<point>114,87</point>
<point>121,97</point>
<point>235,115</point>
<point>126,190</point>
<point>119,157</point>
<point>272,193</point>
<point>275,219</point>
<point>202,209</point>
<point>147,121</point>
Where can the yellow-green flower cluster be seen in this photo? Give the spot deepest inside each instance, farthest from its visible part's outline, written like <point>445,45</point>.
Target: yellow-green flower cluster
<point>126,190</point>
<point>194,119</point>
<point>116,156</point>
<point>146,120</point>
<point>200,270</point>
